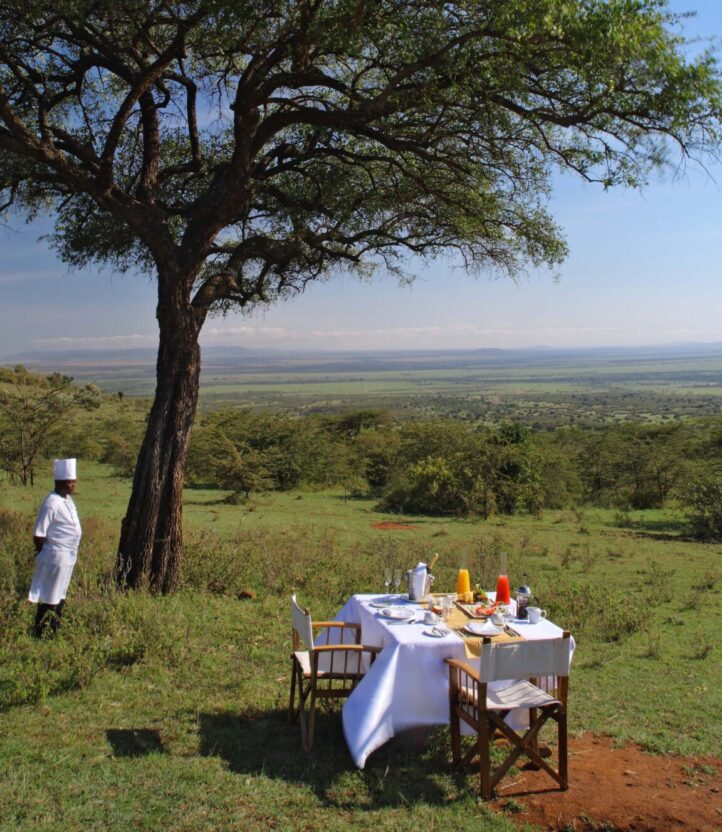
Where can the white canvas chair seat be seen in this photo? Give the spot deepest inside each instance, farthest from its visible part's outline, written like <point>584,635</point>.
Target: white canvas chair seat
<point>537,674</point>
<point>520,694</point>
<point>326,666</point>
<point>325,671</point>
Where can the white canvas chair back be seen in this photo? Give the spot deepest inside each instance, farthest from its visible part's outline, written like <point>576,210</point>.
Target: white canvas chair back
<point>524,659</point>
<point>301,622</point>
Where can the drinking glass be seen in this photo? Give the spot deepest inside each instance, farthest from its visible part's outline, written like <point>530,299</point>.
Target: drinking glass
<point>387,578</point>
<point>447,604</point>
<point>462,582</point>
<point>503,590</point>
<point>398,574</point>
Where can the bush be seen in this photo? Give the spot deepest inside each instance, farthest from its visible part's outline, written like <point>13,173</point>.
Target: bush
<point>445,468</point>
<point>703,502</point>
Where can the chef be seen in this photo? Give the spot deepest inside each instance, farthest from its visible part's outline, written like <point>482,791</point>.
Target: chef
<point>56,537</point>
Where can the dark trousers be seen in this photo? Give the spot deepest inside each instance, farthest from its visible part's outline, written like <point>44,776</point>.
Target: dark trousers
<point>48,616</point>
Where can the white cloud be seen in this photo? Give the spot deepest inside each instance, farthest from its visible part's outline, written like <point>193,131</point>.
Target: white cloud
<point>102,342</point>
<point>27,276</point>
<point>457,336</point>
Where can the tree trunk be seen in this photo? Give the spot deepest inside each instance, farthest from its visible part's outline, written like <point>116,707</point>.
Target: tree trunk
<point>151,535</point>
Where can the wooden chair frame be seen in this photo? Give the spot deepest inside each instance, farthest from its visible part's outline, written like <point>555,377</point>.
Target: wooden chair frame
<point>331,671</point>
<point>469,702</point>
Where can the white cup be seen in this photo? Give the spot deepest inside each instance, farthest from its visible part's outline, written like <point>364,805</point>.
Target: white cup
<point>430,618</point>
<point>535,614</point>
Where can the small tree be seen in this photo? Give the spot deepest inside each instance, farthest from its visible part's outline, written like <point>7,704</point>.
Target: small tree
<point>34,413</point>
<point>242,470</point>
<point>703,502</point>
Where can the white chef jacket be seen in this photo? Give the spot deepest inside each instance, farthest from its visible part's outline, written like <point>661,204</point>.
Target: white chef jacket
<point>58,523</point>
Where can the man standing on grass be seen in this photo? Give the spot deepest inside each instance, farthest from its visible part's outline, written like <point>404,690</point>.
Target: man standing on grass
<point>57,537</point>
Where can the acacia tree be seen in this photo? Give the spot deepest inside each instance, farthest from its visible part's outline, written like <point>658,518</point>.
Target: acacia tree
<point>238,150</point>
<point>34,412</point>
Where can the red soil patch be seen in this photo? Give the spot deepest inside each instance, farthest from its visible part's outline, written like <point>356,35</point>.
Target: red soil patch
<point>620,790</point>
<point>389,524</point>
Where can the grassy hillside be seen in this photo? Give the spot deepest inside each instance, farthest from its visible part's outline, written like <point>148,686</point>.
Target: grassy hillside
<point>167,713</point>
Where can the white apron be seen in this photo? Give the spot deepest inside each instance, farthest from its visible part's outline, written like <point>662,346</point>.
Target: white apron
<point>58,523</point>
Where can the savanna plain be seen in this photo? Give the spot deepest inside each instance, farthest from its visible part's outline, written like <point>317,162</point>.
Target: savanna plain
<point>170,712</point>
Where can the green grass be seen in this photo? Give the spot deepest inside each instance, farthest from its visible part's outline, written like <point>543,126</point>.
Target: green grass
<point>169,713</point>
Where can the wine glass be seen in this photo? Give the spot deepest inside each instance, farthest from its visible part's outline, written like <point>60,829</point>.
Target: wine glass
<point>397,580</point>
<point>388,575</point>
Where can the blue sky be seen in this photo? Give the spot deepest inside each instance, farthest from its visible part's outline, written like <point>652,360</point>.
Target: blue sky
<point>643,268</point>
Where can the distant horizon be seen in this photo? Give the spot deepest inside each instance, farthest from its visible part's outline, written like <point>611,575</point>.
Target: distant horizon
<point>62,354</point>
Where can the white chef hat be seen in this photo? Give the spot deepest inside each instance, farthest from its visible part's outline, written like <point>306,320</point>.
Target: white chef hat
<point>64,469</point>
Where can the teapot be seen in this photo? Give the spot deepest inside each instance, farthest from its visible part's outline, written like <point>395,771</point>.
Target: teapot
<point>419,581</point>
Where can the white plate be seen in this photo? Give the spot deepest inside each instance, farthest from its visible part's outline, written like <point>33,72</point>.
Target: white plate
<point>397,613</point>
<point>486,628</point>
<point>381,602</point>
<point>436,632</point>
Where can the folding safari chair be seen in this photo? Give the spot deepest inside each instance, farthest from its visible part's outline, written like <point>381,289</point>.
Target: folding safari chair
<point>529,675</point>
<point>324,671</point>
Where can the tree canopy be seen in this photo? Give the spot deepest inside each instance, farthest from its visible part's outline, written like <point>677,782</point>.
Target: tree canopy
<point>238,150</point>
<point>264,144</point>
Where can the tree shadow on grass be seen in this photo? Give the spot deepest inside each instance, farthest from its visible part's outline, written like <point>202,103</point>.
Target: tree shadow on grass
<point>662,529</point>
<point>134,742</point>
<point>407,770</point>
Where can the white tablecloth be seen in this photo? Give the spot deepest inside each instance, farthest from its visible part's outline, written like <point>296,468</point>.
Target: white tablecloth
<point>407,686</point>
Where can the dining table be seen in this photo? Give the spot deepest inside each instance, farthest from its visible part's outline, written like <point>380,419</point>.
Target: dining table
<point>407,686</point>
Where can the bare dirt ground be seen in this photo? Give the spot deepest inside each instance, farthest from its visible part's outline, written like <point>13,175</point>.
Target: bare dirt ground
<point>389,525</point>
<point>619,790</point>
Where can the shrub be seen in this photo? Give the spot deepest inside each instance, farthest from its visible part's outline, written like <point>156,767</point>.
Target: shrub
<point>703,502</point>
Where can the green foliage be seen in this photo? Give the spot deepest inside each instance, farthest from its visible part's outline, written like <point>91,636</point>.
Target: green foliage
<point>245,452</point>
<point>440,467</point>
<point>424,126</point>
<point>119,435</point>
<point>456,469</point>
<point>634,466</point>
<point>35,412</point>
<point>703,503</point>
<point>378,451</point>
